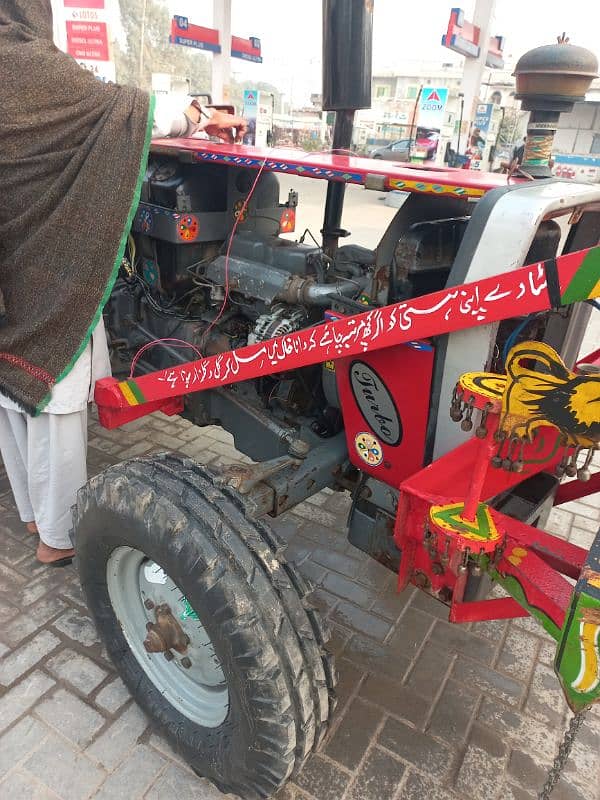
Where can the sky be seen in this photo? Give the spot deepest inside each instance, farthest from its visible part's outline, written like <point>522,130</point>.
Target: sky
<point>290,32</point>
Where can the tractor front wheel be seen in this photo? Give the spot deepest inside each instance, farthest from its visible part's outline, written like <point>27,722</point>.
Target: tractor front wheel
<point>206,622</point>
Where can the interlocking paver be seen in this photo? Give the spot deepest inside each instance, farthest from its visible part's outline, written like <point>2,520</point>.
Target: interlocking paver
<point>78,627</point>
<point>453,712</point>
<point>546,700</point>
<point>518,654</point>
<point>527,771</point>
<point>19,741</point>
<point>64,769</point>
<point>20,786</point>
<point>112,696</point>
<point>378,777</point>
<point>456,639</point>
<point>114,744</point>
<point>181,784</point>
<point>323,779</point>
<point>488,680</point>
<point>36,616</point>
<point>10,580</point>
<point>396,699</point>
<point>133,777</point>
<point>70,716</point>
<point>23,696</point>
<point>429,670</point>
<point>418,787</point>
<point>353,736</point>
<point>13,550</point>
<point>7,612</point>
<point>418,748</point>
<point>411,632</point>
<point>582,538</point>
<point>483,761</point>
<point>519,728</point>
<point>509,791</point>
<point>428,711</point>
<point>360,620</point>
<point>77,670</point>
<point>375,657</point>
<point>349,590</point>
<point>22,659</point>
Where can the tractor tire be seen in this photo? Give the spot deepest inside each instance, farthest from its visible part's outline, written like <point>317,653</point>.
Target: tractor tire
<point>252,694</point>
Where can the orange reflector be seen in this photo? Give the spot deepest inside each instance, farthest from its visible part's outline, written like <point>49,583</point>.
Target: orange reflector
<point>287,221</point>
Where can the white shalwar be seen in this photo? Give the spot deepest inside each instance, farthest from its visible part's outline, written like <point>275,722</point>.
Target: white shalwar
<point>46,456</point>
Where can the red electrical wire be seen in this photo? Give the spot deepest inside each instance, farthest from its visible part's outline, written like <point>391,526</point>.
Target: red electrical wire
<point>239,217</point>
<point>180,343</point>
<point>176,343</point>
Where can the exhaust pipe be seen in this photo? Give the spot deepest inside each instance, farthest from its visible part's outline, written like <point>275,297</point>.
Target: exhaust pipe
<point>347,65</point>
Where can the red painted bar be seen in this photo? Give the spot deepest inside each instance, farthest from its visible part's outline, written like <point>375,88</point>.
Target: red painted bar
<point>485,610</point>
<point>346,168</point>
<point>544,588</point>
<point>573,490</point>
<point>556,552</point>
<point>519,292</point>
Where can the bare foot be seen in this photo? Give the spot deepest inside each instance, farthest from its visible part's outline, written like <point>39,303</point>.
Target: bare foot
<point>53,556</point>
<point>32,527</point>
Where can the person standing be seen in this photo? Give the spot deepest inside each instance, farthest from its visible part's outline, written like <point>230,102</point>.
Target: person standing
<point>73,152</point>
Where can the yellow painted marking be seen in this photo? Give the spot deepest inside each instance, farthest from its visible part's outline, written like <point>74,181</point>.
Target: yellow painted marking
<point>516,555</point>
<point>330,365</point>
<point>128,394</point>
<point>589,675</point>
<point>427,188</point>
<point>485,384</point>
<point>468,529</point>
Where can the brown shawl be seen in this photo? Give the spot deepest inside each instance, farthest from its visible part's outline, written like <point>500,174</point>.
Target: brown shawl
<point>72,154</point>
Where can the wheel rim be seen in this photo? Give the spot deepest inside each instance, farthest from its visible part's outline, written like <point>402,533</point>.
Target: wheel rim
<point>136,587</point>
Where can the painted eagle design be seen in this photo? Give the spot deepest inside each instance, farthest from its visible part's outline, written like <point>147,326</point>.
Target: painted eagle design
<point>540,390</point>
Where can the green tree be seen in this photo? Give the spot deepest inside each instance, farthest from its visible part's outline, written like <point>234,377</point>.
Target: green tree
<point>146,49</point>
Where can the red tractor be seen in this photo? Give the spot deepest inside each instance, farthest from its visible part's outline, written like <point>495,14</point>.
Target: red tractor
<point>434,378</point>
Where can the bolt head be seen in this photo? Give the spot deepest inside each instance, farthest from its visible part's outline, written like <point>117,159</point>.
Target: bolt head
<point>149,604</point>
<point>466,425</point>
<point>186,662</point>
<point>169,655</point>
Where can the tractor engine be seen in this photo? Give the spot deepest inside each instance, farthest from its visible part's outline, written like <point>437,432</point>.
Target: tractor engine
<point>185,280</point>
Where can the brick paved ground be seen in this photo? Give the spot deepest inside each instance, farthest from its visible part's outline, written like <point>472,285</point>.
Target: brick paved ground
<point>427,711</point>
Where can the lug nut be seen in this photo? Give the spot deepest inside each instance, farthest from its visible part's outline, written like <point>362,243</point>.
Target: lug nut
<point>186,662</point>
<point>169,655</point>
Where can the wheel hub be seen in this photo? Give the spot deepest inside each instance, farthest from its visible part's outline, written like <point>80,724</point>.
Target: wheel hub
<point>167,637</point>
<point>166,633</point>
